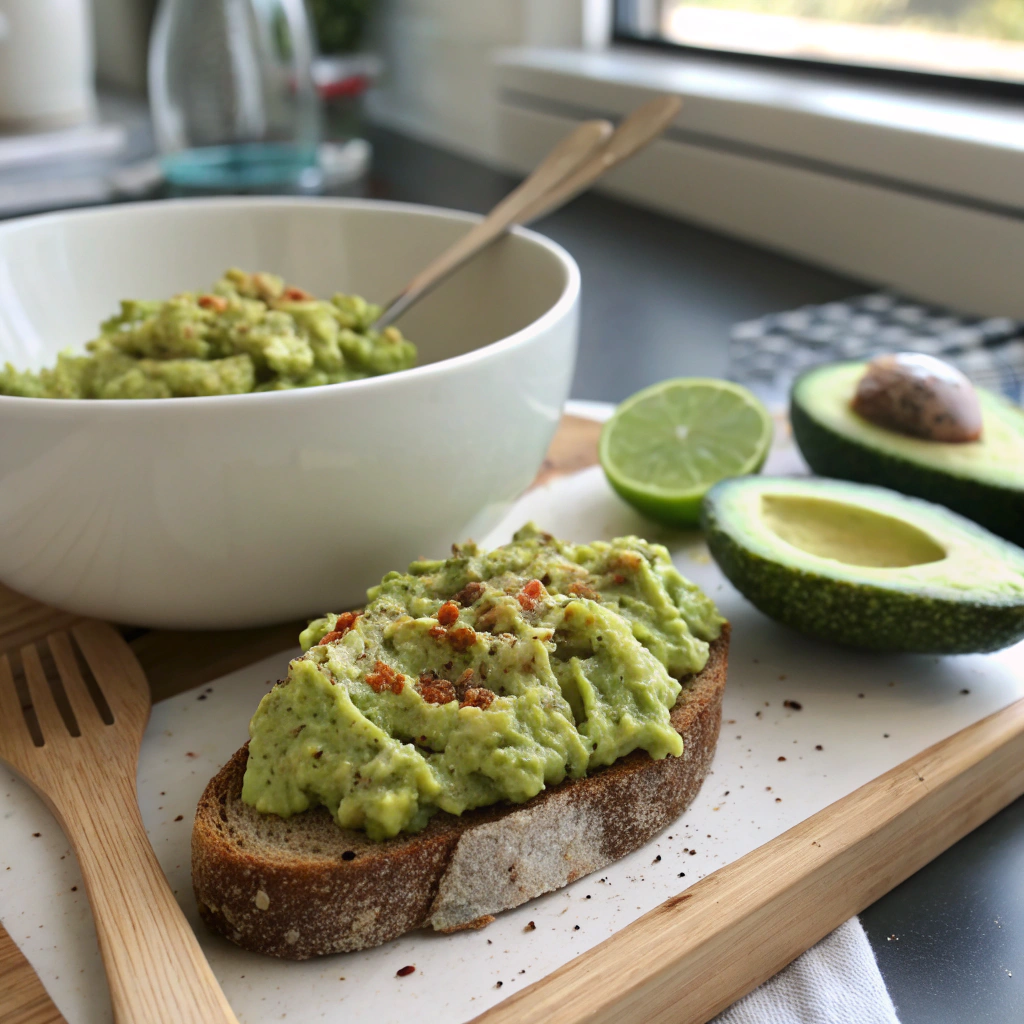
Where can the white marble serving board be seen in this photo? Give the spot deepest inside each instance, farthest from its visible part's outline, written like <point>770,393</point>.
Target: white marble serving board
<point>859,715</point>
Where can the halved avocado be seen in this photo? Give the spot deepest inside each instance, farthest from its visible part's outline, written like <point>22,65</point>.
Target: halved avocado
<point>983,480</point>
<point>866,567</point>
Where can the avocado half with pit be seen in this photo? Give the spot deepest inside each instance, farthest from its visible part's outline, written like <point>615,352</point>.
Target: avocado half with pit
<point>983,480</point>
<point>866,567</point>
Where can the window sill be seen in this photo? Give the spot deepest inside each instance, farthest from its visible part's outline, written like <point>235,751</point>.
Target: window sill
<point>905,187</point>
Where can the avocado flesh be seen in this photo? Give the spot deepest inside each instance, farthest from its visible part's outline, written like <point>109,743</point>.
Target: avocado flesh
<point>866,567</point>
<point>983,480</point>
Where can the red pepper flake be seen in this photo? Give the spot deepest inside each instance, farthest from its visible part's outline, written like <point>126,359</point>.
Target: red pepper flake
<point>404,972</point>
<point>434,690</point>
<point>293,294</point>
<point>462,638</point>
<point>781,758</point>
<point>478,697</point>
<point>530,595</point>
<point>346,620</point>
<point>437,632</point>
<point>582,590</point>
<point>448,613</point>
<point>384,677</point>
<point>215,302</point>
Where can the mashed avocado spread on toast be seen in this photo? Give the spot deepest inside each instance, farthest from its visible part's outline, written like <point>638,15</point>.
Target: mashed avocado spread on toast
<point>483,677</point>
<point>249,332</point>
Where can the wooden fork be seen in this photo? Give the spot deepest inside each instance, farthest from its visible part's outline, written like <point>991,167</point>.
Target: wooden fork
<point>77,745</point>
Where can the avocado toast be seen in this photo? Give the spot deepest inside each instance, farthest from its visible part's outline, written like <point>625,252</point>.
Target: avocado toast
<point>493,726</point>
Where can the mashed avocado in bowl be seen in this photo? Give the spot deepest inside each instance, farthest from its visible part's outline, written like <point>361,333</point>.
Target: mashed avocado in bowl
<point>483,677</point>
<point>249,332</point>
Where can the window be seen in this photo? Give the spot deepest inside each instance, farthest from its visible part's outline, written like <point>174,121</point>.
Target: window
<point>975,40</point>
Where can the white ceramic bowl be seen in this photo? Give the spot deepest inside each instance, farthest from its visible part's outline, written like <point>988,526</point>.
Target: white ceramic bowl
<point>250,509</point>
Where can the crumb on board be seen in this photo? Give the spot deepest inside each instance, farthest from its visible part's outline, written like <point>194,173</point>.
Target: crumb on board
<point>793,705</point>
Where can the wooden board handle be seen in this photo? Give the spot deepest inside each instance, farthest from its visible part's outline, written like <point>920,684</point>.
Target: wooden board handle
<point>155,967</point>
<point>700,951</point>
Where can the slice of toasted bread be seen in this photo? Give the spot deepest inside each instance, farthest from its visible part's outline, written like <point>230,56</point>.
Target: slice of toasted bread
<point>304,887</point>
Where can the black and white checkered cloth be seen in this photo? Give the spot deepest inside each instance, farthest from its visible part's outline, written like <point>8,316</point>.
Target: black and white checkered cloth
<point>766,354</point>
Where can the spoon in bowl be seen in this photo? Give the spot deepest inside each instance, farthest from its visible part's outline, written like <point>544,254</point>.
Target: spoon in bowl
<point>573,165</point>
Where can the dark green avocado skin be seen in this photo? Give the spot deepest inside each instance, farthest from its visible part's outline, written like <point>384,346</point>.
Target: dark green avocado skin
<point>856,614</point>
<point>999,509</point>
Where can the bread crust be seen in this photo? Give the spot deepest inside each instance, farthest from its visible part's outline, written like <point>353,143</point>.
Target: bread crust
<point>304,887</point>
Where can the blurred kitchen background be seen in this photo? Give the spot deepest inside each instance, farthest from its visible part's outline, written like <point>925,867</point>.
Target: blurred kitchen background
<point>878,145</point>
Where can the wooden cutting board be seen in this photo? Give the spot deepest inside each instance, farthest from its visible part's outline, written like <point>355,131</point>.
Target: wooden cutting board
<point>703,948</point>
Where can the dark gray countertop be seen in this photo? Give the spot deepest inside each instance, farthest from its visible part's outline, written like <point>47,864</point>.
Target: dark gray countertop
<point>659,297</point>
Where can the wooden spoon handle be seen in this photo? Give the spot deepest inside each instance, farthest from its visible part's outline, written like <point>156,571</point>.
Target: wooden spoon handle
<point>155,968</point>
<point>635,131</point>
<point>560,162</point>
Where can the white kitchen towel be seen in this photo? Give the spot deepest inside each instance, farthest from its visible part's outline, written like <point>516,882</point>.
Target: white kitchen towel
<point>835,982</point>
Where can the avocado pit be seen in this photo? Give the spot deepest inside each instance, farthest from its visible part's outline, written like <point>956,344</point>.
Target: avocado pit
<point>920,396</point>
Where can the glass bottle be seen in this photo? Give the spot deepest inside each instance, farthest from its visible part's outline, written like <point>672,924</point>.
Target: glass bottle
<point>232,96</point>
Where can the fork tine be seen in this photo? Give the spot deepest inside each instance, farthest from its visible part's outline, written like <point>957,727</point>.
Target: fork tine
<point>16,742</point>
<point>50,721</point>
<point>86,713</point>
<point>12,718</point>
<point>116,670</point>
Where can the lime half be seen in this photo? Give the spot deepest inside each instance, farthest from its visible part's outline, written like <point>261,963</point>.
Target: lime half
<point>667,445</point>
